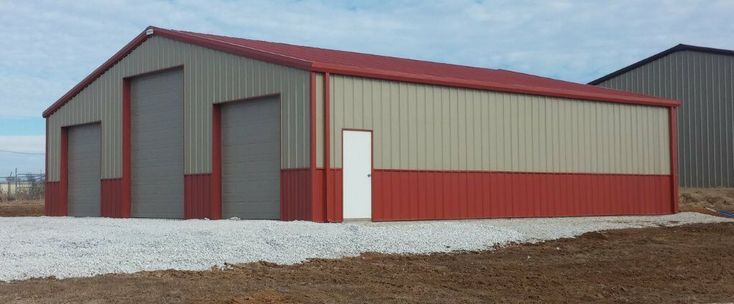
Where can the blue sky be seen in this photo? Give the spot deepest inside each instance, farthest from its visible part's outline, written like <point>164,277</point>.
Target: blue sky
<point>49,46</point>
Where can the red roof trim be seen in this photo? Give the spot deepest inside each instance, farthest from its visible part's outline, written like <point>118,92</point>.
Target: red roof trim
<point>96,73</point>
<point>492,86</point>
<point>298,63</point>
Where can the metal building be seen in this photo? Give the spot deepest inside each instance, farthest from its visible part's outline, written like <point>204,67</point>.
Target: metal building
<point>188,125</point>
<point>703,80</point>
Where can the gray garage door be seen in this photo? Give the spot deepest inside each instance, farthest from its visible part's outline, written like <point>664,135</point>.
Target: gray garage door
<point>84,170</point>
<point>251,159</point>
<point>157,145</point>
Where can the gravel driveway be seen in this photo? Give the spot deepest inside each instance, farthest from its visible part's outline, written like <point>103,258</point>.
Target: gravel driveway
<point>79,247</point>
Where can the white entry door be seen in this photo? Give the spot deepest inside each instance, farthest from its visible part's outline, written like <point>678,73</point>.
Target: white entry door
<point>357,174</point>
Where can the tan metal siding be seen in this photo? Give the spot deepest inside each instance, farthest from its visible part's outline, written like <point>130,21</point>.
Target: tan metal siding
<point>704,83</point>
<point>320,120</point>
<point>210,77</point>
<point>427,127</point>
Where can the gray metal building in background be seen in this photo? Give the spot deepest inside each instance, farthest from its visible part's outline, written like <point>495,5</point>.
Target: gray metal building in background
<point>703,80</point>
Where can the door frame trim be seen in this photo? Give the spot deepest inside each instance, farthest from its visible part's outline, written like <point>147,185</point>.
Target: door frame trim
<point>372,169</point>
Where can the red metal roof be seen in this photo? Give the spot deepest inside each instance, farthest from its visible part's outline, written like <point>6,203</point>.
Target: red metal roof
<point>382,67</point>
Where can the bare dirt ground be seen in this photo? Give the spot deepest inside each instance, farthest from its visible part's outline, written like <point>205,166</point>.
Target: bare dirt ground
<point>21,208</point>
<point>700,199</point>
<point>653,265</point>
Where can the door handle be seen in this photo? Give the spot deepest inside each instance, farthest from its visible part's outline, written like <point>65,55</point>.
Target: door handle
<point>369,175</point>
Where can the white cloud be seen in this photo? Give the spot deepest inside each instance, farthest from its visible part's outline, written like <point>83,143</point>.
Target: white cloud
<point>48,46</point>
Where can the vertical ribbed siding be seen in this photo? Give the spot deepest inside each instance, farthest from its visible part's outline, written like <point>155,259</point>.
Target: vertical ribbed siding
<point>319,120</point>
<point>704,83</point>
<point>97,103</point>
<point>423,127</point>
<point>210,77</point>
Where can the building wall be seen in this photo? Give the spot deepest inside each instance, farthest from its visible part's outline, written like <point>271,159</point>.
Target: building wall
<point>704,83</point>
<point>423,127</point>
<point>210,77</point>
<point>439,152</point>
<point>451,153</point>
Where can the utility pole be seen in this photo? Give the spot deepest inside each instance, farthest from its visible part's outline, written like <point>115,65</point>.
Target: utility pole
<point>16,183</point>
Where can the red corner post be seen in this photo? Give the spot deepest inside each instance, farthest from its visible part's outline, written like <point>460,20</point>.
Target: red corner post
<point>313,190</point>
<point>673,125</point>
<point>47,190</point>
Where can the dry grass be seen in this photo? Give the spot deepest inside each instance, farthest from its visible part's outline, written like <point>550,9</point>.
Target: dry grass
<point>704,199</point>
<point>22,208</point>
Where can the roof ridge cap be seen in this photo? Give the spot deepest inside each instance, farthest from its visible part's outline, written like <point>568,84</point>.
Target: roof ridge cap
<point>334,50</point>
<point>199,35</point>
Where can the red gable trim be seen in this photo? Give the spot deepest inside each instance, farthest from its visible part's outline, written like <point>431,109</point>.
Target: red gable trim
<point>96,73</point>
<point>183,37</point>
<point>349,71</point>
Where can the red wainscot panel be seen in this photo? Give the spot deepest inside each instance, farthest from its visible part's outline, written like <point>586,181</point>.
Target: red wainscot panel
<point>295,193</point>
<point>424,195</point>
<point>111,205</point>
<point>318,211</point>
<point>334,199</point>
<point>198,196</point>
<point>55,203</point>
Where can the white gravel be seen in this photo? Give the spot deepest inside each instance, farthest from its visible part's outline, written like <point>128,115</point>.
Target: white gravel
<point>78,247</point>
